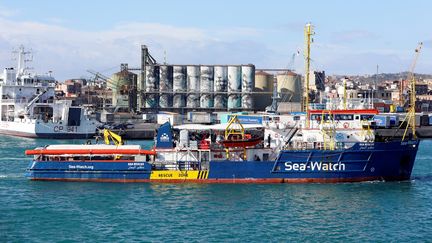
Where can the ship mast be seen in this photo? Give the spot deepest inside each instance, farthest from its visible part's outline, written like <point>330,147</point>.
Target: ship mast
<point>308,33</point>
<point>411,79</point>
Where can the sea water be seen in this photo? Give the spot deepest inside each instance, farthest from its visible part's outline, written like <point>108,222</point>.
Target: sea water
<point>32,211</point>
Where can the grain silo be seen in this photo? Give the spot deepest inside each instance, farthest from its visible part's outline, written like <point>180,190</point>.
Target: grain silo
<point>179,86</point>
<point>221,85</point>
<point>263,90</point>
<point>165,86</point>
<point>264,81</point>
<point>234,87</point>
<point>289,87</point>
<point>121,83</point>
<point>207,86</point>
<point>152,86</point>
<point>193,86</point>
<point>248,83</point>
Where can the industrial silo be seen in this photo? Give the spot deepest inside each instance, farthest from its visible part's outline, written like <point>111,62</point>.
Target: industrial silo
<point>165,86</point>
<point>193,86</point>
<point>263,90</point>
<point>207,86</point>
<point>289,87</point>
<point>179,86</point>
<point>152,86</point>
<point>121,84</point>
<point>234,87</point>
<point>221,86</point>
<point>264,81</point>
<point>248,83</point>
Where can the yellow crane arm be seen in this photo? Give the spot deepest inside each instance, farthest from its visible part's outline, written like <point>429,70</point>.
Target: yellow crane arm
<point>109,135</point>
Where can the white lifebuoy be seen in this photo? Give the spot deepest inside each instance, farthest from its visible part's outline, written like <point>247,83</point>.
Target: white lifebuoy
<point>346,125</point>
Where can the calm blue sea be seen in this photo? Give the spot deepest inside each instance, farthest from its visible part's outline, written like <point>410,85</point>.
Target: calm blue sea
<point>101,212</point>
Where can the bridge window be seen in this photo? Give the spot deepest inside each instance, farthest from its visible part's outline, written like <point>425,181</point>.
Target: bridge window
<point>344,117</point>
<point>366,117</point>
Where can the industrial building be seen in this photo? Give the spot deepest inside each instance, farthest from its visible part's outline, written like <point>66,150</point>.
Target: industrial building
<point>205,88</point>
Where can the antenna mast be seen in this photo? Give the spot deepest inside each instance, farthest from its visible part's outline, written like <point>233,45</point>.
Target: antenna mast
<point>411,79</point>
<point>308,33</point>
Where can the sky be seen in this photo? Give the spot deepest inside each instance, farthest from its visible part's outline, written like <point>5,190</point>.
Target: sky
<point>351,37</point>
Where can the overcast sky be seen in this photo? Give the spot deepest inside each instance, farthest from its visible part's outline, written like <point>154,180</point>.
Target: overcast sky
<point>352,37</point>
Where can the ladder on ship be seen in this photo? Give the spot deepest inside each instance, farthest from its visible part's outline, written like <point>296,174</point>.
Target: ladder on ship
<point>328,130</point>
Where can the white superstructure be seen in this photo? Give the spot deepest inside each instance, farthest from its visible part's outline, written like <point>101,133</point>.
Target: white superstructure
<point>28,106</point>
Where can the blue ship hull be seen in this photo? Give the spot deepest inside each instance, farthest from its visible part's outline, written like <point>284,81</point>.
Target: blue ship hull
<point>386,161</point>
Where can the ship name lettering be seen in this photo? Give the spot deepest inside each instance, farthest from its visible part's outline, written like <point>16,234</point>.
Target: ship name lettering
<point>135,164</point>
<point>314,166</point>
<point>90,167</point>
